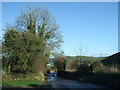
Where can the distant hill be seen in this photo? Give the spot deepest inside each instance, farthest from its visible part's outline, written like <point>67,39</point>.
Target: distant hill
<point>113,60</point>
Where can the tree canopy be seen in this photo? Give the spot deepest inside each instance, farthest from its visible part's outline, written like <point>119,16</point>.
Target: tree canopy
<point>33,38</point>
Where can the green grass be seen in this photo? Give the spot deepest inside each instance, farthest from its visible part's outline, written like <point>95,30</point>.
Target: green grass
<point>21,82</point>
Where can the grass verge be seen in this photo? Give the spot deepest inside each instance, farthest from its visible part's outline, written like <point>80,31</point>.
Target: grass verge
<point>23,80</point>
<point>21,83</point>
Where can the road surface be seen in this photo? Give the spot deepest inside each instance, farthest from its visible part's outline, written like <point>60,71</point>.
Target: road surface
<point>58,82</point>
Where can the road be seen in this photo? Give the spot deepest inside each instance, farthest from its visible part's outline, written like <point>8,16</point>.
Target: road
<point>58,82</point>
<point>54,82</point>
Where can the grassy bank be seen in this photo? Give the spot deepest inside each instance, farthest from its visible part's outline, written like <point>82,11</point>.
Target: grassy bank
<point>21,83</point>
<point>22,80</point>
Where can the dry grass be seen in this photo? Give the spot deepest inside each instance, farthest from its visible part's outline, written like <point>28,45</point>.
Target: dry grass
<point>30,76</point>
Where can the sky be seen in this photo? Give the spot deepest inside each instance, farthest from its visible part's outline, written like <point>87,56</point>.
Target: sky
<point>88,26</point>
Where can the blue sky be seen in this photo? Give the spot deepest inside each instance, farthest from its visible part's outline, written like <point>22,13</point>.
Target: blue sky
<point>91,26</point>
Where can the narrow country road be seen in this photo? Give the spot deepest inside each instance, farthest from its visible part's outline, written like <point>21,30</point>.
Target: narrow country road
<point>54,82</point>
<point>58,82</point>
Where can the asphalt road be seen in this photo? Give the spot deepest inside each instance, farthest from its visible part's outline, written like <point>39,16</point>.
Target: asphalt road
<point>58,82</point>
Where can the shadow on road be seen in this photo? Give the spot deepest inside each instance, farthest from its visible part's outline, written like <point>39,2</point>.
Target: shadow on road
<point>40,86</point>
<point>30,87</point>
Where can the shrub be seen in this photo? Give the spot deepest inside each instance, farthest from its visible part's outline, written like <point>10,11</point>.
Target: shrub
<point>60,63</point>
<point>97,66</point>
<point>40,64</point>
<point>84,69</point>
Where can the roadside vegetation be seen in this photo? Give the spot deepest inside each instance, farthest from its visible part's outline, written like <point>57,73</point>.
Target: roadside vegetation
<point>104,71</point>
<point>23,83</point>
<point>27,46</point>
<point>23,79</point>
